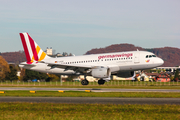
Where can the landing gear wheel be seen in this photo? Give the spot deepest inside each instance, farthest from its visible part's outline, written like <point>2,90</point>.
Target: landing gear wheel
<point>101,82</point>
<point>142,79</point>
<point>84,82</point>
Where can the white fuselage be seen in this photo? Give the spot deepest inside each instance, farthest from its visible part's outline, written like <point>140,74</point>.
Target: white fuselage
<point>119,61</point>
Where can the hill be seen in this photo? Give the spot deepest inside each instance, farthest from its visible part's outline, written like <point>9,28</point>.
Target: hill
<point>14,57</point>
<point>170,55</point>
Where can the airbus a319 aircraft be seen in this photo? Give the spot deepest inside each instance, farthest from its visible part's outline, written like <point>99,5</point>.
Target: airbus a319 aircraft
<point>102,66</point>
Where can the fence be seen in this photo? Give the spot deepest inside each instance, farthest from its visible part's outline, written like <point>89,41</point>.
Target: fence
<point>110,83</point>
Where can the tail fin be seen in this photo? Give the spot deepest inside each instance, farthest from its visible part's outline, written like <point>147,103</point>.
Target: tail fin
<point>32,50</point>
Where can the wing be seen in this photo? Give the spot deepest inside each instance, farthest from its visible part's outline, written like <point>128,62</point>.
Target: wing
<point>77,68</point>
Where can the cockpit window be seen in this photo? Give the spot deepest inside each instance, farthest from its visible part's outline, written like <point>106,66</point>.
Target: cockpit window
<point>149,56</point>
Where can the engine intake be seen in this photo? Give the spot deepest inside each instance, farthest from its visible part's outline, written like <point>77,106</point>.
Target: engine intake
<point>101,72</point>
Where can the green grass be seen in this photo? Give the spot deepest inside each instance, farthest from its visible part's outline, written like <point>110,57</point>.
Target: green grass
<point>91,94</point>
<point>52,111</point>
<point>111,84</point>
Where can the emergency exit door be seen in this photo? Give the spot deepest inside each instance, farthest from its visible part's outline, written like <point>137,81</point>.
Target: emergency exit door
<point>136,57</point>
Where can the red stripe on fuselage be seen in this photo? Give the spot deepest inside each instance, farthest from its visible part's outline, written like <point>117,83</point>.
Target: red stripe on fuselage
<point>25,47</point>
<point>33,47</point>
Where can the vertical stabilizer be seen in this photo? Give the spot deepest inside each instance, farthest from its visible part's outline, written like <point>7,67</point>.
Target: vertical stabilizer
<point>32,51</point>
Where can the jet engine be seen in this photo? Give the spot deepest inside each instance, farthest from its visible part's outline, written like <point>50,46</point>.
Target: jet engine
<point>101,72</point>
<point>126,74</point>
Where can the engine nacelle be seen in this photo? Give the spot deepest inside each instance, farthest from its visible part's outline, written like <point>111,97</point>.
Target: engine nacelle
<point>126,74</point>
<point>101,72</point>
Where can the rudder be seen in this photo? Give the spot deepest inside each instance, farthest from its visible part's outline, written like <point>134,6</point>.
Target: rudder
<point>32,51</point>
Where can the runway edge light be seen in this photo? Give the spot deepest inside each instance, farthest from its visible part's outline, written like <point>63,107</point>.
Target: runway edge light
<point>87,90</point>
<point>61,91</point>
<point>32,91</point>
<point>2,92</point>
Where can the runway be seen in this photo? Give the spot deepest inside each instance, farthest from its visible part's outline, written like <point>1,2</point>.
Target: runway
<point>92,89</point>
<point>92,100</point>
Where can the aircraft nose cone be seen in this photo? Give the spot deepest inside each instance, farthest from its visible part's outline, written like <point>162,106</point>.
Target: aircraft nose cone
<point>161,61</point>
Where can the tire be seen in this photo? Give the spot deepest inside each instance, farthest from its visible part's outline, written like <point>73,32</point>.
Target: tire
<point>101,82</point>
<point>84,82</point>
<point>142,79</point>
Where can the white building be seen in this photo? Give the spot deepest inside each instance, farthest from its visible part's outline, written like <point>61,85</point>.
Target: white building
<point>49,51</point>
<point>172,69</point>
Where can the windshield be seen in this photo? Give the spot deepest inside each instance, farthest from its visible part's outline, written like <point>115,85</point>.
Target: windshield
<point>149,56</point>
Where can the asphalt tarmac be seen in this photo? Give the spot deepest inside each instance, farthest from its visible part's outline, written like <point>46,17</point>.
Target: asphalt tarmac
<point>92,100</point>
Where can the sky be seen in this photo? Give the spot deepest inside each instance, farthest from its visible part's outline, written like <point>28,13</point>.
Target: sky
<point>77,26</point>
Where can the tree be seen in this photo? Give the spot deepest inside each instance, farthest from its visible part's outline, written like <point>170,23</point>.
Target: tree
<point>4,68</point>
<point>53,77</point>
<point>22,74</point>
<point>70,78</point>
<point>171,77</point>
<point>70,54</point>
<point>158,71</point>
<point>65,54</point>
<point>30,75</point>
<point>176,77</point>
<point>12,74</point>
<point>43,76</point>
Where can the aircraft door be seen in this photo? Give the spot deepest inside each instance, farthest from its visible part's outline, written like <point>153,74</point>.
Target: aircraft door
<point>136,57</point>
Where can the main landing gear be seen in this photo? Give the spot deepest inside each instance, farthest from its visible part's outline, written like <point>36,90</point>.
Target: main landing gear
<point>84,82</point>
<point>101,82</point>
